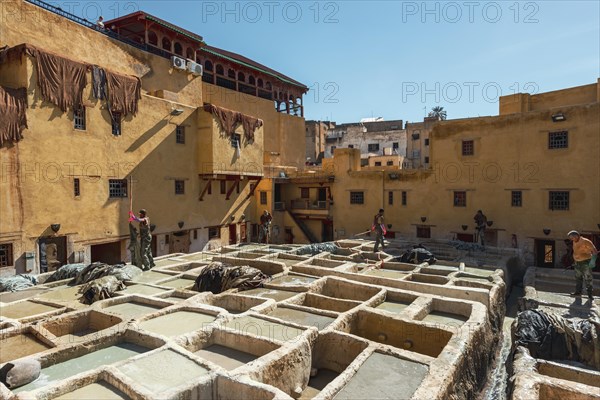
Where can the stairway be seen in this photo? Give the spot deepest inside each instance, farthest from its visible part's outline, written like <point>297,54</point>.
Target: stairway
<point>307,232</point>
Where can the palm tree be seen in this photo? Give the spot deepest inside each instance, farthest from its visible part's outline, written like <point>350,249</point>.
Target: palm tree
<point>438,112</point>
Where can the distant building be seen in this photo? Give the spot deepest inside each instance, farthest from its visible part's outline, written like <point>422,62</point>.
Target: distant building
<point>316,132</point>
<point>418,142</point>
<point>372,138</point>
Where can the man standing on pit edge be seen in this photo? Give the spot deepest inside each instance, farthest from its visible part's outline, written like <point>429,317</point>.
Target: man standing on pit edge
<point>584,254</point>
<point>379,228</point>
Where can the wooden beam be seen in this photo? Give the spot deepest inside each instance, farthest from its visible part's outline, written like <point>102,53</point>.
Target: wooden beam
<point>201,198</point>
<point>251,193</point>
<point>233,185</point>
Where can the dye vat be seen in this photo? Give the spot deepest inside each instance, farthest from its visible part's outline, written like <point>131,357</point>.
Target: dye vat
<point>275,294</point>
<point>328,303</point>
<point>293,280</point>
<point>25,309</point>
<point>264,328</point>
<point>73,328</point>
<point>317,383</point>
<point>178,283</point>
<point>287,260</point>
<point>321,262</point>
<point>68,294</point>
<point>393,306</point>
<point>444,318</point>
<point>302,317</point>
<point>479,271</point>
<point>235,304</point>
<point>132,309</point>
<point>400,380</point>
<point>386,273</point>
<point>84,363</point>
<point>150,277</point>
<point>94,391</point>
<point>430,279</point>
<point>174,298</point>
<point>166,262</point>
<point>21,345</point>
<point>424,339</point>
<point>177,323</point>
<point>163,370</point>
<point>142,289</point>
<point>225,357</point>
<point>9,297</point>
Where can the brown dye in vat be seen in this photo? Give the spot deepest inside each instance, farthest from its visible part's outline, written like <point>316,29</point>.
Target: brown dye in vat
<point>277,295</point>
<point>132,309</point>
<point>317,383</point>
<point>386,273</point>
<point>24,309</point>
<point>94,391</point>
<point>444,318</point>
<point>178,283</point>
<point>75,337</point>
<point>84,363</point>
<point>384,377</point>
<point>302,317</point>
<point>293,280</point>
<point>225,357</point>
<point>143,289</point>
<point>163,371</point>
<point>264,328</point>
<point>177,323</point>
<point>19,346</point>
<point>393,306</point>
<point>150,277</point>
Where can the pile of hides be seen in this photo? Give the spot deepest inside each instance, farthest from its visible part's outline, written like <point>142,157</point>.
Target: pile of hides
<point>13,119</point>
<point>229,120</point>
<point>417,255</point>
<point>67,271</point>
<point>460,245</point>
<point>20,372</point>
<point>98,270</point>
<point>316,248</point>
<point>552,337</point>
<point>219,277</point>
<point>100,289</point>
<point>17,282</point>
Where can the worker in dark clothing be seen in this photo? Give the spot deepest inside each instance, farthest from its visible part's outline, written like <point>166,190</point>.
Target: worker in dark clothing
<point>379,228</point>
<point>265,227</point>
<point>147,260</point>
<point>480,224</point>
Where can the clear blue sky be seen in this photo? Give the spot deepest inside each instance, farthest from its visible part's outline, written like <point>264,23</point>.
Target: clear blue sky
<point>396,59</point>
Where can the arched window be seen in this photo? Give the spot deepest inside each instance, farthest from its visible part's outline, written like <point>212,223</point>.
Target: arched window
<point>152,38</point>
<point>268,86</point>
<point>166,44</point>
<point>220,70</point>
<point>208,65</point>
<point>251,80</point>
<point>178,49</point>
<point>241,77</point>
<point>260,82</point>
<point>189,53</point>
<point>231,73</point>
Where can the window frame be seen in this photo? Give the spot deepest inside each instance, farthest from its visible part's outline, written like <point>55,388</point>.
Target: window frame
<point>80,118</point>
<point>216,230</point>
<point>556,142</point>
<point>459,198</point>
<point>516,198</point>
<point>404,198</point>
<point>76,187</point>
<point>263,197</point>
<point>391,198</point>
<point>373,147</point>
<point>552,200</point>
<point>116,121</point>
<point>180,134</point>
<point>7,258</point>
<point>123,185</point>
<point>357,197</point>
<point>179,187</point>
<point>467,148</point>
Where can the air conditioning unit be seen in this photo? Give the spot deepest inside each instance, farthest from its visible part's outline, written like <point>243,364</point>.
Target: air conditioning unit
<point>194,68</point>
<point>178,62</point>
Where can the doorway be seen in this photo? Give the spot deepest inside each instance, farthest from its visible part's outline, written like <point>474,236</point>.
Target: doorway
<point>544,253</point>
<point>327,231</point>
<point>53,253</point>
<point>180,242</point>
<point>232,234</point>
<point>108,253</point>
<point>322,194</point>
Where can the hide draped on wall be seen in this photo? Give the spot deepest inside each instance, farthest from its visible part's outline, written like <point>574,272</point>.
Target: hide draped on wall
<point>229,120</point>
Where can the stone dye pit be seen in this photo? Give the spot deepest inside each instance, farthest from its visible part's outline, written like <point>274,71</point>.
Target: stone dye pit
<point>325,327</point>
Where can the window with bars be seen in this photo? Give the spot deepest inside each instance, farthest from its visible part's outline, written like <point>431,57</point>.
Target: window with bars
<point>180,134</point>
<point>378,163</point>
<point>559,200</point>
<point>357,197</point>
<point>6,255</point>
<point>263,197</point>
<point>305,193</point>
<point>390,198</point>
<point>404,198</point>
<point>76,187</point>
<point>558,140</point>
<point>426,161</point>
<point>179,187</point>
<point>79,118</point>
<point>468,148</point>
<point>116,123</point>
<point>373,147</point>
<point>516,198</point>
<point>460,199</point>
<point>395,146</point>
<point>389,163</point>
<point>426,142</point>
<point>117,188</point>
<point>236,139</point>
